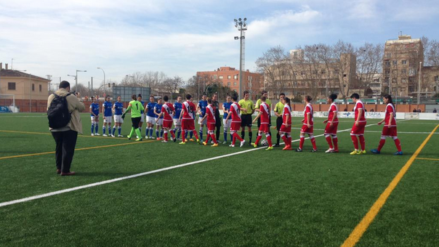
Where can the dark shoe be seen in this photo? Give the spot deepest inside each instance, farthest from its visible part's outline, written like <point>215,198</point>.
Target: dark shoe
<point>298,150</point>
<point>276,145</point>
<point>58,171</point>
<point>314,150</point>
<point>67,173</point>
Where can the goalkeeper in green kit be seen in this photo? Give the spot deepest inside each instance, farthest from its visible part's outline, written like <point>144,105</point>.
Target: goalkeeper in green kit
<point>136,108</point>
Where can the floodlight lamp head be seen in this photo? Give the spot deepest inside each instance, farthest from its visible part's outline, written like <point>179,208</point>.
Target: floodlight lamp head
<point>235,20</point>
<point>239,19</point>
<point>245,19</point>
<point>236,37</point>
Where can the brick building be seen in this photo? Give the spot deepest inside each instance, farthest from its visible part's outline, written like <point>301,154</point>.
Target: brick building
<point>228,76</point>
<point>30,91</point>
<point>430,81</point>
<point>401,63</point>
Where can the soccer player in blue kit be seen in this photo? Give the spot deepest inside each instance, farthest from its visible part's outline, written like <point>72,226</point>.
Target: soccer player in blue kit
<point>177,121</point>
<point>227,122</point>
<point>107,111</point>
<point>118,111</point>
<point>201,108</point>
<point>159,120</point>
<point>150,117</point>
<point>94,113</point>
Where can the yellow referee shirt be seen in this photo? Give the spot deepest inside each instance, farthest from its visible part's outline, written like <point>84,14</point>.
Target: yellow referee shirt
<point>258,103</point>
<point>279,108</point>
<point>248,105</point>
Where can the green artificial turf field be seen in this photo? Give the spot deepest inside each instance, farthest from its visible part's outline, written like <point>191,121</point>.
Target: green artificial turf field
<point>222,196</point>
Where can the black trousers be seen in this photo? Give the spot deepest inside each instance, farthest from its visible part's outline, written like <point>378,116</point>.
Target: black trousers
<point>135,122</point>
<point>279,122</point>
<point>217,124</point>
<point>65,149</point>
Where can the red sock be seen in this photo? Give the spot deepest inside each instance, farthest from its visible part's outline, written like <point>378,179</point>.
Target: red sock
<point>380,146</point>
<point>207,139</point>
<point>355,141</point>
<point>258,139</point>
<point>289,141</point>
<point>234,139</point>
<point>398,144</point>
<point>236,136</point>
<point>172,134</point>
<point>195,134</point>
<point>313,141</point>
<point>302,140</point>
<point>182,135</point>
<point>328,139</point>
<point>270,144</point>
<point>335,140</point>
<point>213,138</point>
<point>285,140</point>
<point>362,142</point>
<point>165,136</point>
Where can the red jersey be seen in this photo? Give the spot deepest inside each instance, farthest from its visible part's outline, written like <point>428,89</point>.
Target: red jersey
<point>389,110</point>
<point>359,105</point>
<point>189,109</point>
<point>210,111</point>
<point>333,110</point>
<point>235,110</point>
<point>167,110</point>
<point>308,111</point>
<point>264,109</point>
<point>286,112</point>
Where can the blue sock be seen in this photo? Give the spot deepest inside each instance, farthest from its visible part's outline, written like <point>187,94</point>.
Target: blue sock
<point>201,133</point>
<point>225,136</point>
<point>179,133</point>
<point>103,130</point>
<point>92,128</point>
<point>119,129</point>
<point>96,128</point>
<point>150,131</point>
<point>191,134</point>
<point>157,133</point>
<point>161,133</point>
<point>146,131</point>
<point>231,137</point>
<point>185,135</point>
<point>114,129</point>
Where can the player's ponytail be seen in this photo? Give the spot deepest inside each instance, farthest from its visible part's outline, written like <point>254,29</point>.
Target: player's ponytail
<point>287,101</point>
<point>389,98</point>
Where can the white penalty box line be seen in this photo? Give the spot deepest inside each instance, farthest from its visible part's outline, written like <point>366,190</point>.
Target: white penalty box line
<point>31,198</point>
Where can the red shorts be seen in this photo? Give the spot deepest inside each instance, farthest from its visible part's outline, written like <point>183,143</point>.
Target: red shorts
<point>307,130</point>
<point>167,124</point>
<point>187,124</point>
<point>264,128</point>
<point>211,126</point>
<point>389,131</point>
<point>331,130</point>
<point>358,130</point>
<point>285,129</point>
<point>236,126</point>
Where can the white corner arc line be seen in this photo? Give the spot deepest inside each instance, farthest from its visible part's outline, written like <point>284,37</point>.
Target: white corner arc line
<point>31,198</point>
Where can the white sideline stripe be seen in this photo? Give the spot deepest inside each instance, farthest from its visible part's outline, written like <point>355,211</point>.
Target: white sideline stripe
<point>31,198</point>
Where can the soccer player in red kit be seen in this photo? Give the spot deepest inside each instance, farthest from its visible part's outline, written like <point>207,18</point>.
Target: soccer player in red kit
<point>359,125</point>
<point>264,114</point>
<point>332,125</point>
<point>307,127</point>
<point>389,129</point>
<point>211,121</point>
<point>167,111</point>
<point>188,118</point>
<point>235,114</point>
<point>285,129</point>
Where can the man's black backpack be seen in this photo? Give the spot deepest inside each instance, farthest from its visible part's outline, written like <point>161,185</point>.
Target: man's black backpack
<point>58,113</point>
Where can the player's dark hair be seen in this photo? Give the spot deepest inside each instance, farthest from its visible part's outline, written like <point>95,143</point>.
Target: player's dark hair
<point>389,98</point>
<point>263,91</point>
<point>139,95</point>
<point>281,94</point>
<point>92,98</point>
<point>263,98</point>
<point>64,84</point>
<point>166,98</point>
<point>204,94</point>
<point>333,97</point>
<point>355,95</point>
<point>245,92</point>
<point>209,100</point>
<point>308,98</point>
<point>188,96</point>
<point>287,100</point>
<point>133,97</point>
<point>234,97</point>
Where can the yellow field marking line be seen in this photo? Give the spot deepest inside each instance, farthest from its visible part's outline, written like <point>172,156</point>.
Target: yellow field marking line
<point>427,159</point>
<point>78,149</point>
<point>359,230</point>
<point>42,133</point>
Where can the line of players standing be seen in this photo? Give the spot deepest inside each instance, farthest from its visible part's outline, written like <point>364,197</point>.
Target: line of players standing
<point>237,116</point>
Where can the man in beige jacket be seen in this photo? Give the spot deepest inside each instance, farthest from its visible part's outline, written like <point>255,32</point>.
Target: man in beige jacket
<point>66,137</point>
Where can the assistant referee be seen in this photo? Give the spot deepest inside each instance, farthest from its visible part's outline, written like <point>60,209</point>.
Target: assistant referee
<point>247,109</point>
<point>278,110</point>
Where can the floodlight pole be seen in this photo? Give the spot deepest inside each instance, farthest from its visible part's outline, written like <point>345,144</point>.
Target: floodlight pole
<point>241,26</point>
<point>104,78</point>
<point>76,78</point>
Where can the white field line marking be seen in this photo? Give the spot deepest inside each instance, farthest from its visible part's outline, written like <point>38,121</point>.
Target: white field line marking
<point>31,198</point>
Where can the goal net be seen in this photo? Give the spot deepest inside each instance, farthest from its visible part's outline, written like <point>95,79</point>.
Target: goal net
<point>7,103</point>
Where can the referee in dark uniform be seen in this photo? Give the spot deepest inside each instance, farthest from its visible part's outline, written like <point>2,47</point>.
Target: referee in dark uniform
<point>215,103</point>
<point>278,109</point>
